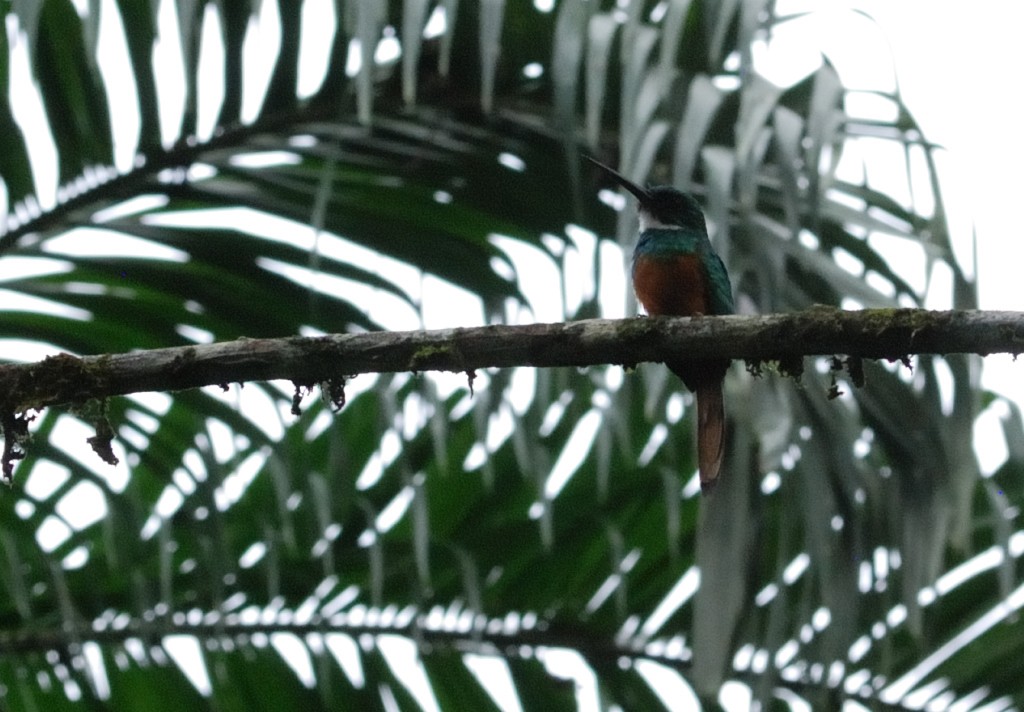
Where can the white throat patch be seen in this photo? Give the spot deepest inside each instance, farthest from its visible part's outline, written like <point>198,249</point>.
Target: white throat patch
<point>648,222</point>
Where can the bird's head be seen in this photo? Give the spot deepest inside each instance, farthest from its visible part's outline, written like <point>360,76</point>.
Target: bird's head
<point>661,206</point>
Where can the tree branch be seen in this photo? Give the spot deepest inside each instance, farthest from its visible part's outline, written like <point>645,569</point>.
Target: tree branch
<point>876,333</point>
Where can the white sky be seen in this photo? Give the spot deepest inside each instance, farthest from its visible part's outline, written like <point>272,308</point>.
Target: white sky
<point>959,66</point>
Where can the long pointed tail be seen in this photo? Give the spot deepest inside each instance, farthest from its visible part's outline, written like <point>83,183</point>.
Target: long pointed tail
<point>710,432</point>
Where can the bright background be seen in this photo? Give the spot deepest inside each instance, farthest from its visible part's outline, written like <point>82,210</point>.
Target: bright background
<point>957,66</point>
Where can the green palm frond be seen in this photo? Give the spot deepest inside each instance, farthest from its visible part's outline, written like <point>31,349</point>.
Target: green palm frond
<point>242,556</point>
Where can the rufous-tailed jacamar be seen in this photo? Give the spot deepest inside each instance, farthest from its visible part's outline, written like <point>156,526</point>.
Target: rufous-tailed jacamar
<point>676,272</point>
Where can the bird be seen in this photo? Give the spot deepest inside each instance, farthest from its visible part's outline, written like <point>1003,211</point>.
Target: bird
<point>676,272</point>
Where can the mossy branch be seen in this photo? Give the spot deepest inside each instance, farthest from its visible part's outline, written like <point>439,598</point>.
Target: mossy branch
<point>873,333</point>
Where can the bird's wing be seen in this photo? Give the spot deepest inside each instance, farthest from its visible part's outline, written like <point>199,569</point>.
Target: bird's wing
<point>719,287</point>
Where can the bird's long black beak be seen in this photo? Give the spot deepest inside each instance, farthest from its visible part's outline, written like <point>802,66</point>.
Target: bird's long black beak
<point>641,194</point>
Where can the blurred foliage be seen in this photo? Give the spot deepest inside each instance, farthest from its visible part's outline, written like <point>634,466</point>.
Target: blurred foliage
<point>241,557</point>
